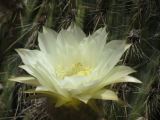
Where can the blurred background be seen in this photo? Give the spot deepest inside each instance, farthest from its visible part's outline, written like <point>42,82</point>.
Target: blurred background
<point>137,21</point>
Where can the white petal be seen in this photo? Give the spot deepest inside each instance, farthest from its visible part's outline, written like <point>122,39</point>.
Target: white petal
<point>47,40</point>
<point>40,67</point>
<point>127,79</point>
<point>79,87</point>
<point>73,83</point>
<point>26,80</point>
<point>45,78</point>
<point>42,88</point>
<point>29,57</point>
<point>105,95</point>
<point>41,76</point>
<point>60,100</point>
<point>101,94</point>
<point>112,54</point>
<point>35,58</point>
<point>84,99</point>
<point>100,37</point>
<point>118,80</point>
<point>92,47</point>
<point>76,31</point>
<point>114,51</point>
<point>118,72</point>
<point>67,47</point>
<point>85,91</point>
<point>116,75</point>
<point>66,37</point>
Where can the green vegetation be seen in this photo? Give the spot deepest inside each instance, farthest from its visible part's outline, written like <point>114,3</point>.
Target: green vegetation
<point>137,21</point>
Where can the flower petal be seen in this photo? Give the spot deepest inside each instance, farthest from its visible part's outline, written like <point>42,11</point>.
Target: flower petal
<point>100,36</point>
<point>26,80</point>
<point>94,43</point>
<point>76,31</point>
<point>119,73</point>
<point>29,57</point>
<point>101,94</point>
<point>106,95</point>
<point>66,38</point>
<point>65,47</point>
<point>39,66</point>
<point>60,100</point>
<point>72,83</point>
<point>126,79</point>
<point>44,78</point>
<point>42,88</point>
<point>41,76</point>
<point>47,40</point>
<point>84,99</point>
<point>118,80</point>
<point>116,75</point>
<point>112,53</point>
<point>36,59</point>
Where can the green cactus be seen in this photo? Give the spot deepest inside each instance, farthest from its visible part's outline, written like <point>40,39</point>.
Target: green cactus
<point>136,21</point>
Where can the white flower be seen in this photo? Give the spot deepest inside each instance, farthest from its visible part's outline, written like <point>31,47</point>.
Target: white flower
<point>70,66</point>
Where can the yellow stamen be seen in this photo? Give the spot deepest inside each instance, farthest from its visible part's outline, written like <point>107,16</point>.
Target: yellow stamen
<point>77,69</point>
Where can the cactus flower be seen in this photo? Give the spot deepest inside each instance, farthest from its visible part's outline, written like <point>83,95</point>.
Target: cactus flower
<point>71,66</point>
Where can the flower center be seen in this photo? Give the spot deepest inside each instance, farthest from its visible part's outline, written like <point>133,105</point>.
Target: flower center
<point>77,69</point>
